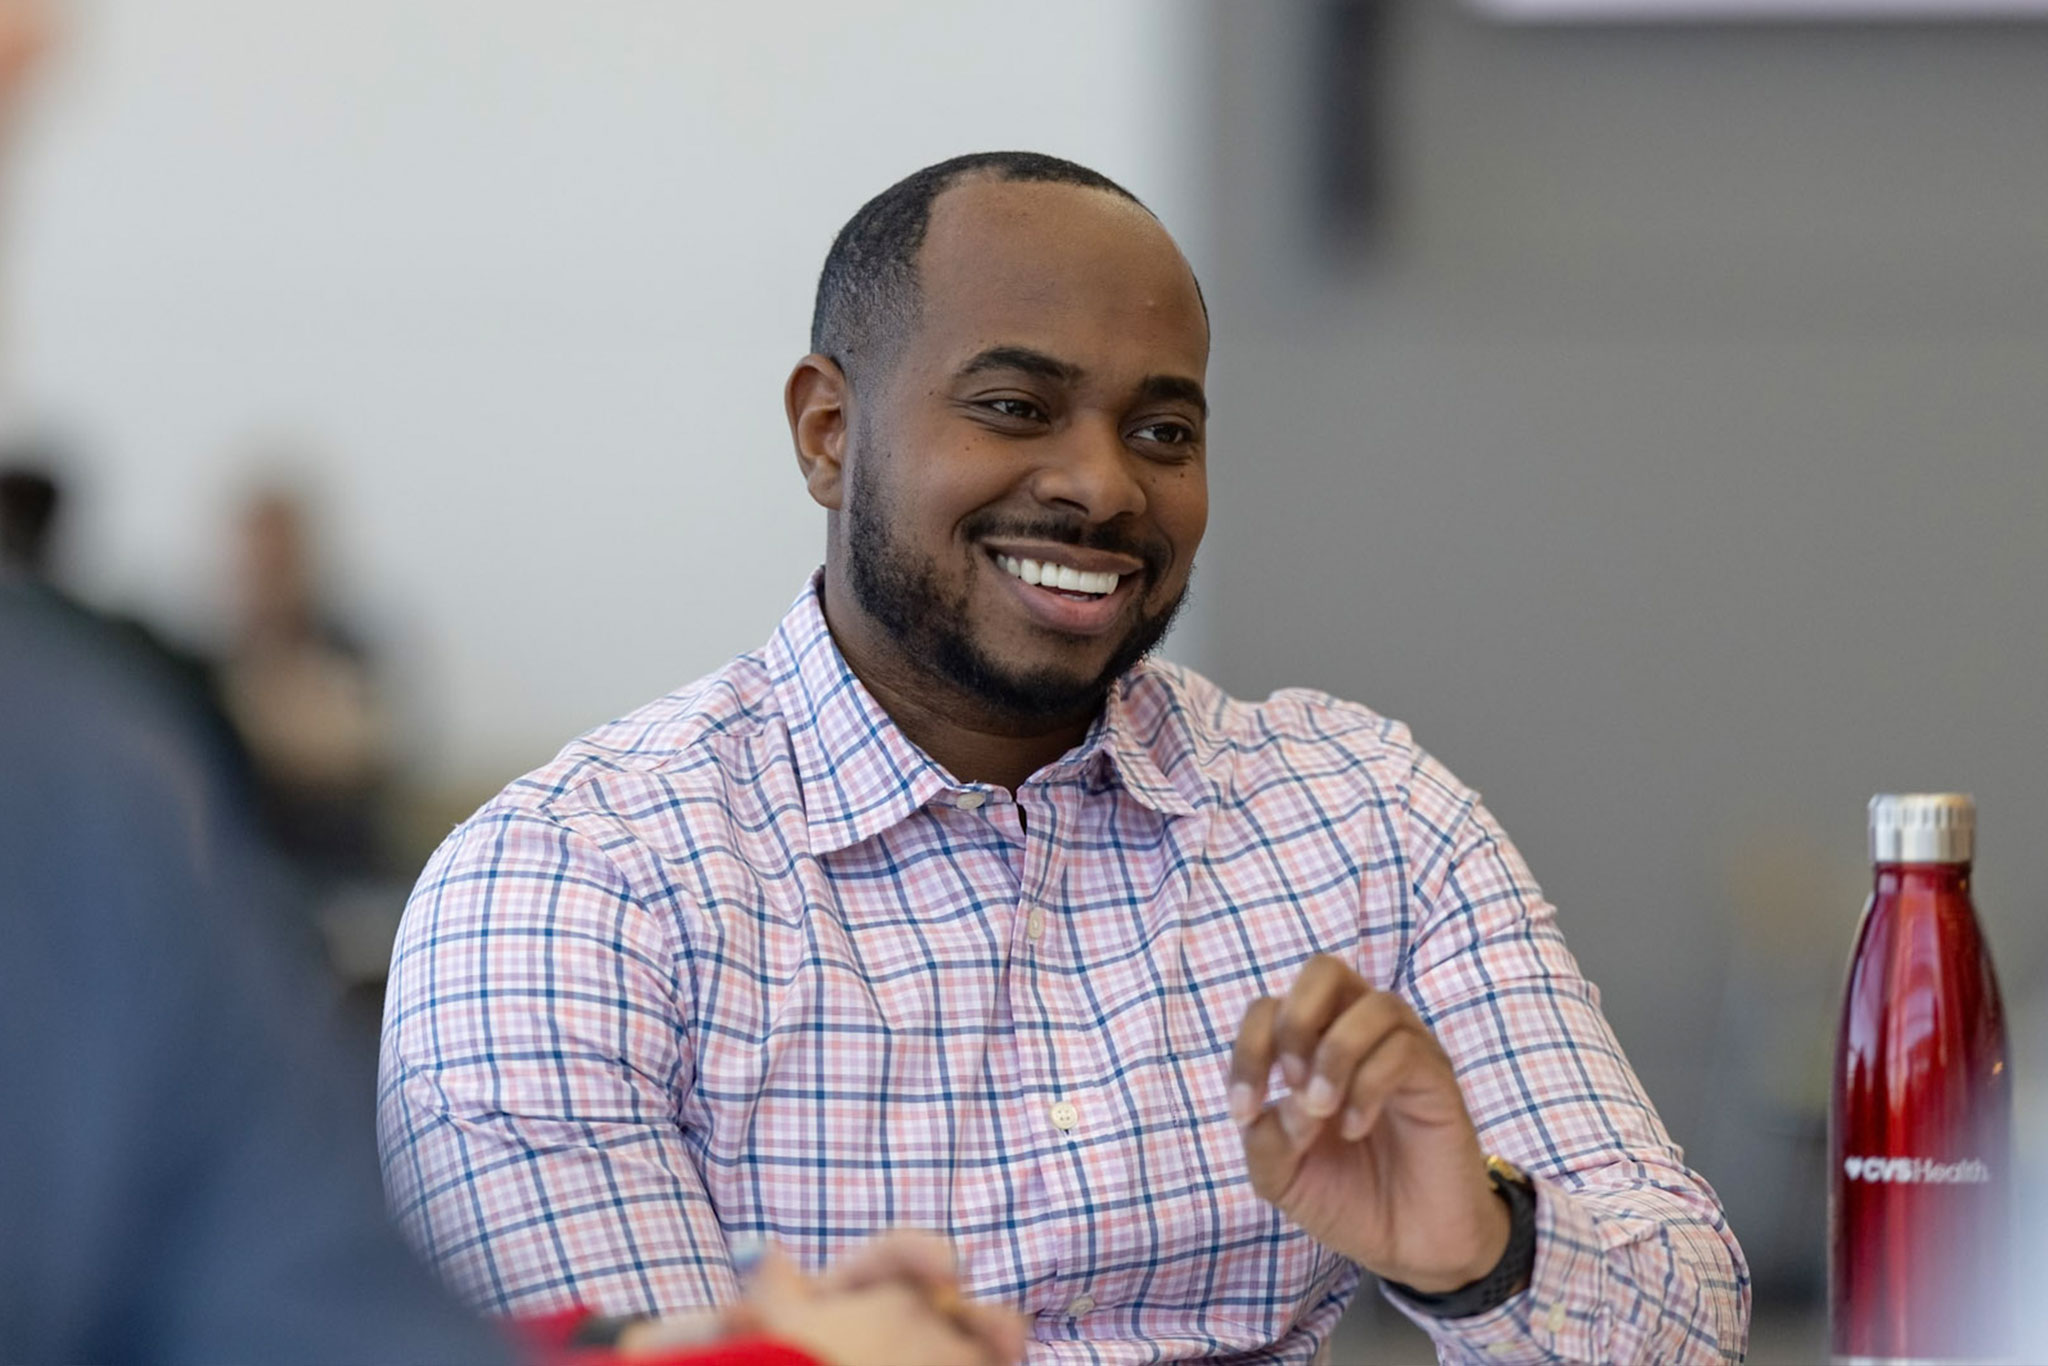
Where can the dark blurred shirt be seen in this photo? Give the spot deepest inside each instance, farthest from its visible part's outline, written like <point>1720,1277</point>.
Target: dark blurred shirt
<point>182,1176</point>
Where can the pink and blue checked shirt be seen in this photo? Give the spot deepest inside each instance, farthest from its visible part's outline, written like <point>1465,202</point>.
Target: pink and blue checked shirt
<point>748,962</point>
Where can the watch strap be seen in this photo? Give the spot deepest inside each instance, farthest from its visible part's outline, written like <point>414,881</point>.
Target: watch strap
<point>604,1330</point>
<point>1517,1261</point>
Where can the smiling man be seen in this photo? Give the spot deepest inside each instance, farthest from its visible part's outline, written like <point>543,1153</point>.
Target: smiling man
<point>953,908</point>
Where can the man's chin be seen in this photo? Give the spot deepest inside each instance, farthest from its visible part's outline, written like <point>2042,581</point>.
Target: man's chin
<point>1047,676</point>
<point>1047,695</point>
<point>1029,686</point>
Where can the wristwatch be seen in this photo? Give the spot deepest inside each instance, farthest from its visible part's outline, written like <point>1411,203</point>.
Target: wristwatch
<point>604,1330</point>
<point>1510,1275</point>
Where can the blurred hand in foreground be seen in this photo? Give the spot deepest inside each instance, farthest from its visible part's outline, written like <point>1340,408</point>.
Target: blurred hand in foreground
<point>895,1302</point>
<point>1372,1150</point>
<point>24,33</point>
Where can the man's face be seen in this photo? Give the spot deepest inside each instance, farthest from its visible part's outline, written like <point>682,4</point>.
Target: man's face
<point>1044,421</point>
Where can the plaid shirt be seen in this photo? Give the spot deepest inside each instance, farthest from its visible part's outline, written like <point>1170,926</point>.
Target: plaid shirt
<point>749,962</point>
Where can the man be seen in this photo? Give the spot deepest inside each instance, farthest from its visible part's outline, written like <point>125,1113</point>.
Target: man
<point>949,908</point>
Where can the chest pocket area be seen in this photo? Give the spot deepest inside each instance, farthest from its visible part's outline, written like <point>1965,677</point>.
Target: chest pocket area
<point>875,1074</point>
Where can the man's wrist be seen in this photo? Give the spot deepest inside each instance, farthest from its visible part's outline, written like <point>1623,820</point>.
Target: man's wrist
<point>1510,1274</point>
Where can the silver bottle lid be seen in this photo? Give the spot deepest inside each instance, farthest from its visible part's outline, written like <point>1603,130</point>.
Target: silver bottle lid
<point>1922,827</point>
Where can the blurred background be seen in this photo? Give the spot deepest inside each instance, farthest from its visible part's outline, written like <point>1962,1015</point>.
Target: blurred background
<point>1645,402</point>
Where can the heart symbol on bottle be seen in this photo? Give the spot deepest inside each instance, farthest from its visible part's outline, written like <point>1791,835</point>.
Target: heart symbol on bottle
<point>1854,1167</point>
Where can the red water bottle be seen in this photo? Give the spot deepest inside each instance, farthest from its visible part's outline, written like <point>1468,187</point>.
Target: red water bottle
<point>1920,1134</point>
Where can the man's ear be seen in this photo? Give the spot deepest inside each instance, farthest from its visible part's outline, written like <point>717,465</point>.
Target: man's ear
<point>819,403</point>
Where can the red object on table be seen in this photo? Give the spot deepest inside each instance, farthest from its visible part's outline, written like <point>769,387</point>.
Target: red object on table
<point>552,1337</point>
<point>1920,1134</point>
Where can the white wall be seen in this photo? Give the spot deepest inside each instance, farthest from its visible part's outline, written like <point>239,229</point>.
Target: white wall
<point>528,276</point>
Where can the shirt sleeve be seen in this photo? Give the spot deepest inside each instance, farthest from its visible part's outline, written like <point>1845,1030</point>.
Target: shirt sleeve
<point>531,1082</point>
<point>1635,1261</point>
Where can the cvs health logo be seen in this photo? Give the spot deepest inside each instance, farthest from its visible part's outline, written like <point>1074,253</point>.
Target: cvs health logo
<point>1916,1171</point>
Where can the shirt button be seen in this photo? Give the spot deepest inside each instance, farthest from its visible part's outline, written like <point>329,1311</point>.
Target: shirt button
<point>968,801</point>
<point>1503,1349</point>
<point>1555,1318</point>
<point>1081,1305</point>
<point>1034,924</point>
<point>1065,1116</point>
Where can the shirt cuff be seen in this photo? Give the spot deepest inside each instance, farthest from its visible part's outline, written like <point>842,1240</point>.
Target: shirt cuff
<point>1562,1316</point>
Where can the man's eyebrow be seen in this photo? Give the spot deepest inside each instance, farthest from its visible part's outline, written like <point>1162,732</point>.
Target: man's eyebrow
<point>1177,387</point>
<point>1151,389</point>
<point>1025,359</point>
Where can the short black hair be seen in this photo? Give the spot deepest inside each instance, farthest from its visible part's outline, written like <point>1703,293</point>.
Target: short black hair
<point>868,290</point>
<point>29,498</point>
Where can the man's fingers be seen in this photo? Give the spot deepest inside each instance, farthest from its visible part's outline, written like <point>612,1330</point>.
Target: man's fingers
<point>1394,1057</point>
<point>1353,1036</point>
<point>1324,990</point>
<point>1270,1156</point>
<point>1000,1329</point>
<point>911,1254</point>
<point>1406,1058</point>
<point>767,1273</point>
<point>926,1262</point>
<point>1251,1060</point>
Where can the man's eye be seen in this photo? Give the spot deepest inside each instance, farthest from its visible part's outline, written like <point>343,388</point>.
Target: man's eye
<point>1166,433</point>
<point>1023,409</point>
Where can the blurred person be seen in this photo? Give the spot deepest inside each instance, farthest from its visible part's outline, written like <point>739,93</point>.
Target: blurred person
<point>952,906</point>
<point>179,1178</point>
<point>303,694</point>
<point>178,1181</point>
<point>24,33</point>
<point>32,514</point>
<point>28,512</point>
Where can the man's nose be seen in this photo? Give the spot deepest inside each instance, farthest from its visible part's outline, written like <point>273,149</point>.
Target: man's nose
<point>1090,470</point>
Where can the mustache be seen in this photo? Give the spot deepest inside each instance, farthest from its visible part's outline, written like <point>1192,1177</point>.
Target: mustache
<point>1109,537</point>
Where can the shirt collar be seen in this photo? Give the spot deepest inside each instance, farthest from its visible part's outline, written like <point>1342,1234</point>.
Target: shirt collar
<point>860,774</point>
<point>1146,733</point>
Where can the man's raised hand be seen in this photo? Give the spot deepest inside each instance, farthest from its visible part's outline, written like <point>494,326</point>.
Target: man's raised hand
<point>1371,1151</point>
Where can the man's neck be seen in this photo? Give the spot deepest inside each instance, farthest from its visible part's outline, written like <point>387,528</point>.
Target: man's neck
<point>962,736</point>
<point>974,750</point>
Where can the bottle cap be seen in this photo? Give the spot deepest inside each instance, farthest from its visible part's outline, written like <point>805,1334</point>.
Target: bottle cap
<point>1922,827</point>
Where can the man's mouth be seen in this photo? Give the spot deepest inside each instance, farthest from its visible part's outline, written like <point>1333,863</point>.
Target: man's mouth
<point>1063,579</point>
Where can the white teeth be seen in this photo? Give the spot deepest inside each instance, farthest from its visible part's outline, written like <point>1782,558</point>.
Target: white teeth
<point>1060,576</point>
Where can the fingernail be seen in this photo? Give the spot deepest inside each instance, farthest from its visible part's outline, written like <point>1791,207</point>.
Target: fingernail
<point>746,1252</point>
<point>1294,1069</point>
<point>1353,1127</point>
<point>1297,1122</point>
<point>1321,1098</point>
<point>1244,1106</point>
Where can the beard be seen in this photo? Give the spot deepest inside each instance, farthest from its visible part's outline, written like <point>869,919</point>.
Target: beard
<point>901,591</point>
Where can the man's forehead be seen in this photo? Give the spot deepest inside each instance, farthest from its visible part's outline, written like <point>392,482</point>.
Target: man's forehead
<point>1005,252</point>
<point>986,219</point>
